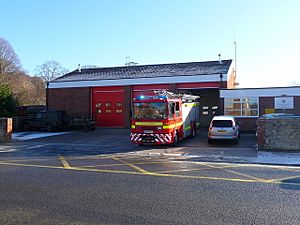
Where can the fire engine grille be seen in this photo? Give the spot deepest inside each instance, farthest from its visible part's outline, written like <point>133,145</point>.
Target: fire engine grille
<point>151,138</point>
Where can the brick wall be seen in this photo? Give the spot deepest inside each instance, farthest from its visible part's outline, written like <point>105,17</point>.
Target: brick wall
<point>247,124</point>
<point>232,80</point>
<point>279,134</point>
<point>127,106</point>
<point>72,100</point>
<point>5,129</point>
<point>268,103</point>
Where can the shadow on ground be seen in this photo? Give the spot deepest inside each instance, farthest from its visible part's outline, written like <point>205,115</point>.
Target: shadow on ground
<point>110,141</point>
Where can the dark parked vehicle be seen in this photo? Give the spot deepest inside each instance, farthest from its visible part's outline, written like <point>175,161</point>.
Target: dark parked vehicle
<point>82,124</point>
<point>48,120</point>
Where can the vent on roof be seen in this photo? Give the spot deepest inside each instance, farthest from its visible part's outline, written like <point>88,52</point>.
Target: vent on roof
<point>129,63</point>
<point>220,61</point>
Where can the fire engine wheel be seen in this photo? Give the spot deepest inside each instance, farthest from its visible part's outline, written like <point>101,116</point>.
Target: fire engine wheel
<point>176,139</point>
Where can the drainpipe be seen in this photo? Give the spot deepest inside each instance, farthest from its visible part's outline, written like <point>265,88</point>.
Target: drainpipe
<point>221,80</point>
<point>47,95</point>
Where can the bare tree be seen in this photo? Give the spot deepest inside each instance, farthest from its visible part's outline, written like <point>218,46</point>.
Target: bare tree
<point>40,90</point>
<point>50,70</point>
<point>27,90</point>
<point>9,61</point>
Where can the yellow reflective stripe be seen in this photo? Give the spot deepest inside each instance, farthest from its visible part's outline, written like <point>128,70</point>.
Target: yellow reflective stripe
<point>169,126</point>
<point>187,128</point>
<point>148,123</point>
<point>191,104</point>
<point>172,126</point>
<point>133,126</point>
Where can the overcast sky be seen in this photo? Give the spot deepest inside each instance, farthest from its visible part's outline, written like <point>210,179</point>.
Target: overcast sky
<point>104,32</point>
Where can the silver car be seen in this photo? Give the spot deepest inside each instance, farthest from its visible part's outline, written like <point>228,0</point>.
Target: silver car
<point>223,128</point>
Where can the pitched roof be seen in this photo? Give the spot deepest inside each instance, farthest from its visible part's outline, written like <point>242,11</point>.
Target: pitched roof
<point>148,71</point>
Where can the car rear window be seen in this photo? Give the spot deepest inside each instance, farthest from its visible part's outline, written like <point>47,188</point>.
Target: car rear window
<point>222,123</point>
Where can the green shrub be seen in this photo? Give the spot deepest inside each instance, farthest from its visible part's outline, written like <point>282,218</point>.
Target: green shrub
<point>7,102</point>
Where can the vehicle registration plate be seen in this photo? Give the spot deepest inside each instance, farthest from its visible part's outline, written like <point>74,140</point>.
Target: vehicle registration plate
<point>222,131</point>
<point>148,131</point>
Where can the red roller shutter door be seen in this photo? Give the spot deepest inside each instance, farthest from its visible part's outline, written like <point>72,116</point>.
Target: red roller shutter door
<point>108,106</point>
<point>148,89</point>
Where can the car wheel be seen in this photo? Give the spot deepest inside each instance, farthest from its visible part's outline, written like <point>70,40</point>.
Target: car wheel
<point>236,141</point>
<point>193,132</point>
<point>26,127</point>
<point>49,128</point>
<point>85,129</point>
<point>209,141</point>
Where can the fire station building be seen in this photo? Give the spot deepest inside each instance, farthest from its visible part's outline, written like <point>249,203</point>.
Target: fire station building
<point>104,94</point>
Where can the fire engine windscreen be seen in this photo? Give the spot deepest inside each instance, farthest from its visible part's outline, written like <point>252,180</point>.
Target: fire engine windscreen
<point>150,110</point>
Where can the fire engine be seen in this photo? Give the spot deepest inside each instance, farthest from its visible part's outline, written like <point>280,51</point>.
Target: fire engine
<point>164,118</point>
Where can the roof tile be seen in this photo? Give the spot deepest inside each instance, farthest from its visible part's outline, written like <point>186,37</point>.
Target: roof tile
<point>148,71</point>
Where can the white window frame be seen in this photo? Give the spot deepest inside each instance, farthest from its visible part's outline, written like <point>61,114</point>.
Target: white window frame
<point>241,106</point>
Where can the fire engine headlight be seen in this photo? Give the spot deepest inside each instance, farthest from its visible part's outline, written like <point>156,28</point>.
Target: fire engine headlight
<point>159,128</point>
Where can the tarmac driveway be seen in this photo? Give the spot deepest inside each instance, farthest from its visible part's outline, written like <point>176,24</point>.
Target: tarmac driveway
<point>112,141</point>
<point>108,141</point>
<point>104,136</point>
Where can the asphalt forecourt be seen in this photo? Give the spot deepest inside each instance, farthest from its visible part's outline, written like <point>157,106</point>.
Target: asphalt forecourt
<point>114,141</point>
<point>129,164</point>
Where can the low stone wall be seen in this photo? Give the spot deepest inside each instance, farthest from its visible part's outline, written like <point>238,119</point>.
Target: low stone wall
<point>281,134</point>
<point>5,129</point>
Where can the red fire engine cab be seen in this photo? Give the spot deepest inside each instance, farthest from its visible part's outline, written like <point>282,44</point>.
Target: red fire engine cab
<point>164,118</point>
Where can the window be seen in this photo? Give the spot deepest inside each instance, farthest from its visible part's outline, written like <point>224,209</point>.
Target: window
<point>177,112</point>
<point>241,106</point>
<point>107,104</point>
<point>119,104</point>
<point>222,123</point>
<point>38,116</point>
<point>149,110</point>
<point>171,110</point>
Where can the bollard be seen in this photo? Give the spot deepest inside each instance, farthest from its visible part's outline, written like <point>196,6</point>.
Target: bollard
<point>5,129</point>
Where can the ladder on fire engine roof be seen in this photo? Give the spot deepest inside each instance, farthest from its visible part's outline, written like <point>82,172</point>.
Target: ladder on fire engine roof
<point>183,97</point>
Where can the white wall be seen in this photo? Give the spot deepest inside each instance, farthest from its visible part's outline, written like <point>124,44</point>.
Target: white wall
<point>260,92</point>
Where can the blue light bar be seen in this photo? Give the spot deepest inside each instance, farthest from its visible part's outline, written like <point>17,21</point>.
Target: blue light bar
<point>143,97</point>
